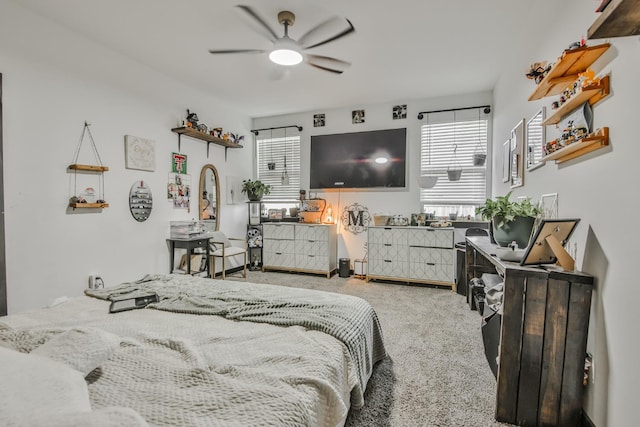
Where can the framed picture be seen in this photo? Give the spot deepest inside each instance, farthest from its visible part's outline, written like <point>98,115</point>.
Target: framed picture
<point>318,120</point>
<point>139,153</point>
<point>400,112</point>
<point>506,161</point>
<point>357,116</point>
<point>535,140</point>
<point>517,155</point>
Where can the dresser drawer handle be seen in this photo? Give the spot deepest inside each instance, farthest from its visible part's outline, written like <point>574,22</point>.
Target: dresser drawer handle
<point>278,253</point>
<point>387,260</point>
<point>431,263</point>
<point>311,256</point>
<point>388,244</point>
<point>311,241</point>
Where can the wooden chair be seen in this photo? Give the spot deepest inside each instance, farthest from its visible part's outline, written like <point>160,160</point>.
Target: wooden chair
<point>222,247</point>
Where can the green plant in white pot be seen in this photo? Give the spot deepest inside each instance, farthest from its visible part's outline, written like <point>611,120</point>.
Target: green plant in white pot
<point>255,190</point>
<point>510,221</point>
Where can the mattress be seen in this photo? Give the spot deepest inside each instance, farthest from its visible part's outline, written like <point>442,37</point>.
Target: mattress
<point>214,352</point>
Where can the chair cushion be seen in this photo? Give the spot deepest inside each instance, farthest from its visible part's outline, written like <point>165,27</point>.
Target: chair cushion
<point>233,250</point>
<point>219,237</point>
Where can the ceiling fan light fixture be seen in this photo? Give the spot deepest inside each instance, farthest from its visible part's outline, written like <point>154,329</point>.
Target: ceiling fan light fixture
<point>285,52</point>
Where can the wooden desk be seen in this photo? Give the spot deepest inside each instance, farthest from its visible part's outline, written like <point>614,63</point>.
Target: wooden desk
<point>543,338</point>
<point>189,244</point>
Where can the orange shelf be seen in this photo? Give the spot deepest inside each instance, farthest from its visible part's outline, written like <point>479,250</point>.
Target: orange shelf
<point>589,143</point>
<point>89,205</point>
<point>566,70</point>
<point>89,168</point>
<point>592,93</point>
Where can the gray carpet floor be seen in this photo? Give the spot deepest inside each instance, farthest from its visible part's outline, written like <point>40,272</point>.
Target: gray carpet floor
<point>436,373</point>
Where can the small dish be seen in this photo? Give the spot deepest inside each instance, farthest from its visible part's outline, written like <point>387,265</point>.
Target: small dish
<point>510,254</point>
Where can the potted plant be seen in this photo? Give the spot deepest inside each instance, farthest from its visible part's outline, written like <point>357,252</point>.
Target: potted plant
<point>255,189</point>
<point>510,221</point>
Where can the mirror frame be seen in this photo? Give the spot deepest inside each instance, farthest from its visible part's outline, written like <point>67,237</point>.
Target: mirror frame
<point>203,175</point>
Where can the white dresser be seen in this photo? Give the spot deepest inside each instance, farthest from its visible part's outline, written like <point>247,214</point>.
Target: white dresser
<point>412,254</point>
<point>310,248</point>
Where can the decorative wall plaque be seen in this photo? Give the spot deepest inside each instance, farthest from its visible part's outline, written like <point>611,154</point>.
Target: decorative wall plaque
<point>356,218</point>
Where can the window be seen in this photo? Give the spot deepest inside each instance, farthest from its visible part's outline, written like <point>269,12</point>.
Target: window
<point>467,131</point>
<point>272,150</point>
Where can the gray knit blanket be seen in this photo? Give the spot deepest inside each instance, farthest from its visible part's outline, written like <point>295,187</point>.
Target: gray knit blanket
<point>350,319</point>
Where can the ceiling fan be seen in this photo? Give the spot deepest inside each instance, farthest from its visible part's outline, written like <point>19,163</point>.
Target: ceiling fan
<point>287,51</point>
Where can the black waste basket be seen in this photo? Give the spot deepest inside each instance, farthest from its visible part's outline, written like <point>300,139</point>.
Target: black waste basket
<point>344,266</point>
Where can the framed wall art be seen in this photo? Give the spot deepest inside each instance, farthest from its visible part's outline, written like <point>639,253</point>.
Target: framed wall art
<point>517,154</point>
<point>357,116</point>
<point>318,120</point>
<point>506,161</point>
<point>535,134</point>
<point>400,112</point>
<point>139,153</point>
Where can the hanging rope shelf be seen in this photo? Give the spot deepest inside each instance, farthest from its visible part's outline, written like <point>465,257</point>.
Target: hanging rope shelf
<point>79,201</point>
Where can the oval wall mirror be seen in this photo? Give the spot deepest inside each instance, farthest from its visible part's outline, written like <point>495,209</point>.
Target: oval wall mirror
<point>140,201</point>
<point>209,197</point>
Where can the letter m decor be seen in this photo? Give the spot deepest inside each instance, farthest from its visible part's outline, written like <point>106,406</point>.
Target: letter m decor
<point>355,218</point>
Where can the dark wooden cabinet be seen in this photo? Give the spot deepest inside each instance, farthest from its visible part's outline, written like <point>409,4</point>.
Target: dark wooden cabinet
<point>543,338</point>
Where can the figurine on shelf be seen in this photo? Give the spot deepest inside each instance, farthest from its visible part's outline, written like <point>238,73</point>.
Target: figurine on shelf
<point>202,127</point>
<point>216,132</point>
<point>226,136</point>
<point>192,119</point>
<point>235,138</point>
<point>537,71</point>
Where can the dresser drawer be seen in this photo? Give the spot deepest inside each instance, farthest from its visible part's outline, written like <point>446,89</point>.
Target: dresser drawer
<point>311,247</point>
<point>388,251</point>
<point>312,262</point>
<point>431,264</point>
<point>278,231</point>
<point>388,235</point>
<point>387,268</point>
<point>432,238</point>
<point>278,246</point>
<point>312,233</point>
<point>278,259</point>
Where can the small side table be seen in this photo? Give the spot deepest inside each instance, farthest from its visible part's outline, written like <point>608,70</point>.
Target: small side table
<point>189,244</point>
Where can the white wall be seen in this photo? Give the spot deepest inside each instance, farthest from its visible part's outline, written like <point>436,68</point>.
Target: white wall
<point>54,80</point>
<point>377,116</point>
<point>600,189</point>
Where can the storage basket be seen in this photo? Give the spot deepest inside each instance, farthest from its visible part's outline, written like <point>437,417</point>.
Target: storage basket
<point>380,219</point>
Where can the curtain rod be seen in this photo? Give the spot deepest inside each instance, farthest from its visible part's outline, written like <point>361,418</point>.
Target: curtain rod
<point>487,110</point>
<point>256,131</point>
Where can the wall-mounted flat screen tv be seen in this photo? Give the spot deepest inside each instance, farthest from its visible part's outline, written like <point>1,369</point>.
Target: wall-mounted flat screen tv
<point>374,159</point>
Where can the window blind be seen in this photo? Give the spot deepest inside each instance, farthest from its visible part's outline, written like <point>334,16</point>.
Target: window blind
<point>437,141</point>
<point>273,150</point>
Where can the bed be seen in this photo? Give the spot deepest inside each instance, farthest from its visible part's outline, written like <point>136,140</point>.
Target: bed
<point>209,352</point>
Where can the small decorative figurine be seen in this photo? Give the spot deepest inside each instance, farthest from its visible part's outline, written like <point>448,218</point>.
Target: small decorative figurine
<point>192,119</point>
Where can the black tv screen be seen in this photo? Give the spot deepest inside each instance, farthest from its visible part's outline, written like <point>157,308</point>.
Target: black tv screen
<point>371,159</point>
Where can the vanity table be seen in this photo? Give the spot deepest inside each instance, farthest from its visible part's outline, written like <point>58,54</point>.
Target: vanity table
<point>188,243</point>
<point>543,338</point>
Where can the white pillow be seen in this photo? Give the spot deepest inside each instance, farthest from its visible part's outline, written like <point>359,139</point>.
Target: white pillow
<point>219,237</point>
<point>35,386</point>
<point>81,348</point>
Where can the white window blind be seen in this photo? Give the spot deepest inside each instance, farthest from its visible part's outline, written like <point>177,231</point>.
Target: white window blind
<point>272,149</point>
<point>467,131</point>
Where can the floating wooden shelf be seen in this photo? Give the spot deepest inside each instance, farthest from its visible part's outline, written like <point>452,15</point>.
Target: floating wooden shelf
<point>589,143</point>
<point>566,70</point>
<point>620,18</point>
<point>89,205</point>
<point>90,168</point>
<point>592,93</point>
<point>210,139</point>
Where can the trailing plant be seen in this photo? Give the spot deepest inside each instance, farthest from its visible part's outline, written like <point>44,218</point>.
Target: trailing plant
<point>506,210</point>
<point>256,188</point>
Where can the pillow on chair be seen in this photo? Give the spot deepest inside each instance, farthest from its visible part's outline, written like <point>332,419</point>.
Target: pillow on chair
<point>219,237</point>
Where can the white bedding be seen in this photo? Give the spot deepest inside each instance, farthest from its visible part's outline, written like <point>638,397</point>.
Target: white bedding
<point>188,369</point>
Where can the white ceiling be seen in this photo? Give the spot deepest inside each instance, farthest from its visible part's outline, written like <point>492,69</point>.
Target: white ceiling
<point>401,50</point>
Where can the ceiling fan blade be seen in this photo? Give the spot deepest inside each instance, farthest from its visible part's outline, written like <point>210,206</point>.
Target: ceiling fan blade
<point>325,68</point>
<point>217,51</point>
<point>325,61</point>
<point>260,21</point>
<point>303,39</point>
<point>349,30</point>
